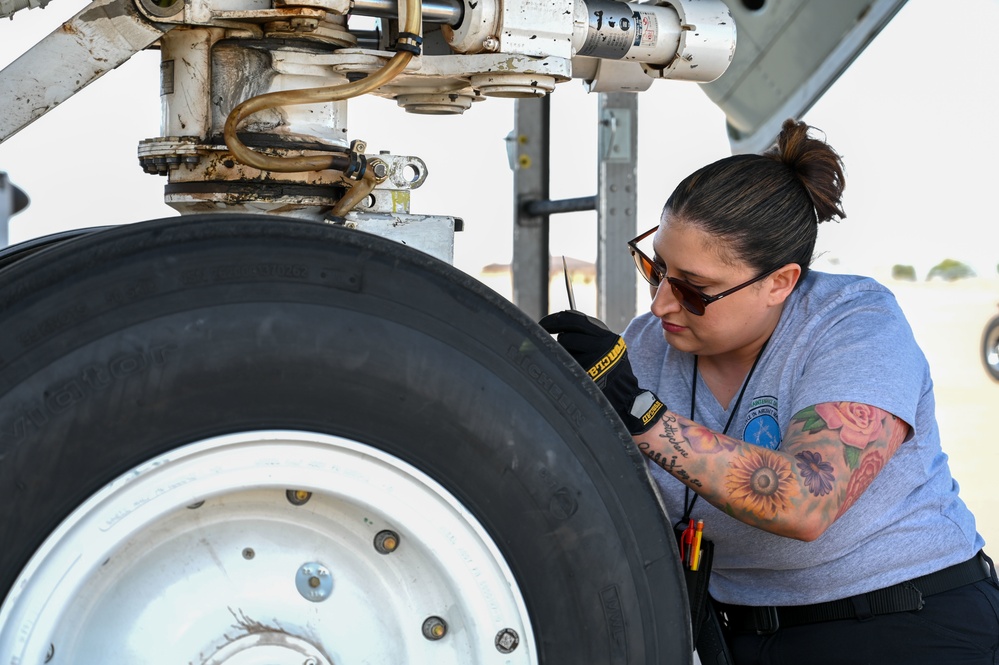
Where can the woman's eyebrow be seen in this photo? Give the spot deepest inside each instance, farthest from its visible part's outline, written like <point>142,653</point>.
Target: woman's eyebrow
<point>685,273</point>
<point>688,274</point>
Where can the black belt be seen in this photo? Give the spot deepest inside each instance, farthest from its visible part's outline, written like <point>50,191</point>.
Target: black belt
<point>902,597</point>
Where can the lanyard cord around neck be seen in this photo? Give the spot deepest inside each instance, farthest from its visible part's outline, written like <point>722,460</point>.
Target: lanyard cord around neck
<point>688,504</point>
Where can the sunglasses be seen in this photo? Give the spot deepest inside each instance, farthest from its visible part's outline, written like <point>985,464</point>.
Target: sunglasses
<point>692,299</point>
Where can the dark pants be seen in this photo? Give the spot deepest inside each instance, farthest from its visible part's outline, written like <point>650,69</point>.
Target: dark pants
<point>956,627</point>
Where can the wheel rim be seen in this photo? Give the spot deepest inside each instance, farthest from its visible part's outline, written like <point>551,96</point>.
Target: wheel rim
<point>269,547</point>
<point>991,348</point>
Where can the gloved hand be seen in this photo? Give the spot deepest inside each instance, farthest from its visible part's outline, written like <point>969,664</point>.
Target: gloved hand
<point>604,356</point>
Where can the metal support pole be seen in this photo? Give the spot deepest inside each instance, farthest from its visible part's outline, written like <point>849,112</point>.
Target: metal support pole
<point>530,266</point>
<point>617,209</point>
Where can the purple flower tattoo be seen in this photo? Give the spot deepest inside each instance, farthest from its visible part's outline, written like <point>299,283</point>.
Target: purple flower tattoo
<point>818,475</point>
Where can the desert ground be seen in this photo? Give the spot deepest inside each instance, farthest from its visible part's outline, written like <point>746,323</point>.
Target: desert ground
<point>948,319</point>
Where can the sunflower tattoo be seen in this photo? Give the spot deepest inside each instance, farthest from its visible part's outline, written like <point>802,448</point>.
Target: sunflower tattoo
<point>761,482</point>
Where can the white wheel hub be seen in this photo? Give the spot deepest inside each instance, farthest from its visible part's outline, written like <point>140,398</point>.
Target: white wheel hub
<point>268,648</point>
<point>268,548</point>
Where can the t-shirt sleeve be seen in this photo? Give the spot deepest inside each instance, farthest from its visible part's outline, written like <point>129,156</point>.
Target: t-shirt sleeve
<point>862,350</point>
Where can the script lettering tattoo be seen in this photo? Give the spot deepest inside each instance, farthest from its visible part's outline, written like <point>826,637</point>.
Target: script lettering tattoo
<point>678,471</point>
<point>656,456</point>
<point>673,435</point>
<point>675,444</point>
<point>670,426</point>
<point>668,463</point>
<point>686,477</point>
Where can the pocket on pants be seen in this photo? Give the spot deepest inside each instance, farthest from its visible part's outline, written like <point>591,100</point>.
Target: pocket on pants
<point>968,614</point>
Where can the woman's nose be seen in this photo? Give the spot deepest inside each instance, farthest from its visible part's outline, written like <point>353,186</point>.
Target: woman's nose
<point>664,300</point>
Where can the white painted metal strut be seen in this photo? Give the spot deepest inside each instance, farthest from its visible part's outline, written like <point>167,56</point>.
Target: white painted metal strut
<point>100,37</point>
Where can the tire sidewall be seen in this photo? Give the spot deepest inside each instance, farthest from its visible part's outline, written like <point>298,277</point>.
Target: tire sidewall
<point>124,345</point>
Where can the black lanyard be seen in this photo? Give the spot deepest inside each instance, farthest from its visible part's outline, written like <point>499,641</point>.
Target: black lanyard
<point>688,504</point>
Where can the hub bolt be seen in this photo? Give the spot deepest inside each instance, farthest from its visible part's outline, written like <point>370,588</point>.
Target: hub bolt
<point>507,640</point>
<point>434,628</point>
<point>386,541</point>
<point>298,497</point>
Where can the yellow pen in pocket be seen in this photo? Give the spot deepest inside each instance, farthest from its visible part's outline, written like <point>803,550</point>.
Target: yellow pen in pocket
<point>695,559</point>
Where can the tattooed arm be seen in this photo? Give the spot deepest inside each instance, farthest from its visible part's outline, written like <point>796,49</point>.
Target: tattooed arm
<point>830,455</point>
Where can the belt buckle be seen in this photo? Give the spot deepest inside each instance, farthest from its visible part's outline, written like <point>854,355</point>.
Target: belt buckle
<point>766,622</point>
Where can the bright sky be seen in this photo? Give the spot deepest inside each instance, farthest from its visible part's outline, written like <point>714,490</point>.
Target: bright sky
<point>913,118</point>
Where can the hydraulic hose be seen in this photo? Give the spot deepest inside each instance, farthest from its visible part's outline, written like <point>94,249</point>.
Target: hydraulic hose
<point>357,192</point>
<point>410,30</point>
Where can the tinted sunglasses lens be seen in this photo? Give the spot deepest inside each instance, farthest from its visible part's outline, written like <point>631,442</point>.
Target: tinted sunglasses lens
<point>688,297</point>
<point>646,267</point>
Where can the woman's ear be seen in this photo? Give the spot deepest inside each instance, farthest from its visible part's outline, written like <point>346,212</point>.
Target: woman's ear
<point>782,282</point>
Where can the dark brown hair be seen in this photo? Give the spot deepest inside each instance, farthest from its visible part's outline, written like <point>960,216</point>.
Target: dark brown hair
<point>766,207</point>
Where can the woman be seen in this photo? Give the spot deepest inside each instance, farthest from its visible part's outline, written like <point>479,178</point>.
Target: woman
<point>792,411</point>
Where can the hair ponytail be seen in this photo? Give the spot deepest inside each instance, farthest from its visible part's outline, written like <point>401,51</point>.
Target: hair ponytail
<point>815,164</point>
<point>766,207</point>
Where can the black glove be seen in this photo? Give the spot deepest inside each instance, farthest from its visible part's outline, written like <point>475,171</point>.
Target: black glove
<point>604,356</point>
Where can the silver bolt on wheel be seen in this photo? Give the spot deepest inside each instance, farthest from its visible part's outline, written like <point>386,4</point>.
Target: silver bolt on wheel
<point>208,555</point>
<point>507,640</point>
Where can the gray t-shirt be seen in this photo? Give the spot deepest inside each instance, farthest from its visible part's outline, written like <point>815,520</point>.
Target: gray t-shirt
<point>840,338</point>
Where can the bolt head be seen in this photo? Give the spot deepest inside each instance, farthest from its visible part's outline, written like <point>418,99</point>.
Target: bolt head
<point>507,640</point>
<point>386,542</point>
<point>298,497</point>
<point>434,628</point>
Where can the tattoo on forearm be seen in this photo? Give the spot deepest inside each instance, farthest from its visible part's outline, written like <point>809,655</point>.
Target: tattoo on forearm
<point>669,464</point>
<point>861,478</point>
<point>817,474</point>
<point>704,440</point>
<point>869,437</point>
<point>838,451</point>
<point>675,444</point>
<point>761,482</point>
<point>900,430</point>
<point>671,431</point>
<point>857,425</point>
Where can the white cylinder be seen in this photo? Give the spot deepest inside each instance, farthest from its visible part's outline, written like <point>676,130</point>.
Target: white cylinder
<point>185,81</point>
<point>621,31</point>
<point>691,40</point>
<point>707,42</point>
